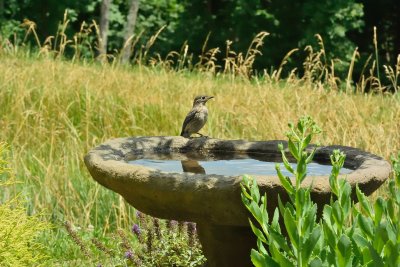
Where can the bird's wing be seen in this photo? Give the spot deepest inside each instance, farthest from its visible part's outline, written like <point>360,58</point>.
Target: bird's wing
<point>190,116</point>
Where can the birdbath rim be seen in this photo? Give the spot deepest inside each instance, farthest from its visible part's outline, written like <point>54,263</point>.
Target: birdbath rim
<point>207,197</point>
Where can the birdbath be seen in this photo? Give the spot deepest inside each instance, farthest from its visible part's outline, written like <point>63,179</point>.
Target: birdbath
<point>198,180</point>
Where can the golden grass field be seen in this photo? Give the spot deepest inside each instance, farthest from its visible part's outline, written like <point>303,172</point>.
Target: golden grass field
<point>53,112</point>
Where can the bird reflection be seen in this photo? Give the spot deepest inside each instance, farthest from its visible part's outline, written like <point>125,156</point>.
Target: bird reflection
<point>192,166</point>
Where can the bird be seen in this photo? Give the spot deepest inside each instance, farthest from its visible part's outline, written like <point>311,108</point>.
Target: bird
<point>197,116</point>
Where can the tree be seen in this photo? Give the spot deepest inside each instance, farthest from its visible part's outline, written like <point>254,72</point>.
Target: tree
<point>129,30</point>
<point>104,24</point>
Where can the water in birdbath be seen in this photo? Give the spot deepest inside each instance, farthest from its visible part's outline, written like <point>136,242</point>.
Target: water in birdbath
<point>225,164</point>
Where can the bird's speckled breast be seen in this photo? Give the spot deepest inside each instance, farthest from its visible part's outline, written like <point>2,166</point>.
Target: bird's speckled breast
<point>203,114</point>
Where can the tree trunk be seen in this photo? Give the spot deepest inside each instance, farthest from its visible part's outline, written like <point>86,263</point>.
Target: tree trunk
<point>104,23</point>
<point>129,30</point>
<point>1,8</point>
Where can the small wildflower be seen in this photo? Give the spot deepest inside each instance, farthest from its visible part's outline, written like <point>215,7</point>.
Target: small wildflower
<point>142,218</point>
<point>101,247</point>
<point>76,238</point>
<point>157,227</point>
<point>149,240</point>
<point>129,255</point>
<point>191,231</point>
<point>136,230</point>
<point>181,226</point>
<point>173,223</point>
<point>125,242</point>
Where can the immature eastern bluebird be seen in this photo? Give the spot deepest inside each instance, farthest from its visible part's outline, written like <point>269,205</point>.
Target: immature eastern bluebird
<point>197,117</point>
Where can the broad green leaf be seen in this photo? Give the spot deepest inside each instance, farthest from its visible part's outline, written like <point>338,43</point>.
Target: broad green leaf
<point>345,251</point>
<point>390,209</point>
<point>279,257</point>
<point>246,180</point>
<point>255,192</point>
<point>360,240</point>
<point>256,212</point>
<point>345,196</point>
<point>246,201</point>
<point>392,253</point>
<point>311,156</point>
<point>301,124</point>
<point>293,149</point>
<point>286,183</point>
<point>338,214</point>
<point>394,191</point>
<point>327,214</point>
<point>364,202</point>
<point>262,260</point>
<point>280,241</point>
<point>260,235</point>
<point>301,169</point>
<point>366,226</point>
<point>377,260</point>
<point>263,207</point>
<point>261,247</point>
<point>366,255</point>
<point>275,221</point>
<point>362,245</point>
<point>286,163</point>
<point>333,184</point>
<point>316,262</point>
<point>357,250</point>
<point>310,244</point>
<point>291,228</point>
<point>307,141</point>
<point>329,235</point>
<point>309,220</point>
<point>381,237</point>
<point>258,259</point>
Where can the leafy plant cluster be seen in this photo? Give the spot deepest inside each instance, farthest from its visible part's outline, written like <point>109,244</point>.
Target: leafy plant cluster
<point>150,242</point>
<point>18,231</point>
<point>347,235</point>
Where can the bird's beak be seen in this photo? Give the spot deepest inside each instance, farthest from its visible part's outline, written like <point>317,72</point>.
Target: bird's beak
<point>209,97</point>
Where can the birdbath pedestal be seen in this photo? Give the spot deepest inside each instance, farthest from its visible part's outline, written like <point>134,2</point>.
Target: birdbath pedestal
<point>213,201</point>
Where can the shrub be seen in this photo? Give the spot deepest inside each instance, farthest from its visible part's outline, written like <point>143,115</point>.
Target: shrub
<point>151,242</point>
<point>18,231</point>
<point>346,235</point>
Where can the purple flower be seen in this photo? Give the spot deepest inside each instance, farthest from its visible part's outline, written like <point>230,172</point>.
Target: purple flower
<point>136,230</point>
<point>129,254</point>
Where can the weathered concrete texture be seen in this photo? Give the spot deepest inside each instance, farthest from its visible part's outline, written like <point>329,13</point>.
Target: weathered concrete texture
<point>213,201</point>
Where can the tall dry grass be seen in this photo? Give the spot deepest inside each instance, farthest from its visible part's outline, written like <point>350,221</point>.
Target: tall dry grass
<point>52,112</point>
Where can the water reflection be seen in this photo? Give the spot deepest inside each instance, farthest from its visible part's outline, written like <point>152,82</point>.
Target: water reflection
<point>231,164</point>
<point>192,166</point>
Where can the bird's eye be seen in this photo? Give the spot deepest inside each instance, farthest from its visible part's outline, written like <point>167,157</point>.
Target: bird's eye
<point>203,97</point>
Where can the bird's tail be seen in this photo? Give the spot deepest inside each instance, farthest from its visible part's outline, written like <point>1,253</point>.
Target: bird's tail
<point>184,134</point>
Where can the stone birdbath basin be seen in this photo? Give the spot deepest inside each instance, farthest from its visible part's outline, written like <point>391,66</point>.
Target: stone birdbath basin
<point>188,190</point>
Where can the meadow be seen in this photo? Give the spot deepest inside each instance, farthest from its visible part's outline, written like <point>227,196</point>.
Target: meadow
<point>52,111</point>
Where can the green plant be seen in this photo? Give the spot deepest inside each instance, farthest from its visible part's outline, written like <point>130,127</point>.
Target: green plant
<point>299,214</point>
<point>18,231</point>
<point>151,242</point>
<point>346,236</point>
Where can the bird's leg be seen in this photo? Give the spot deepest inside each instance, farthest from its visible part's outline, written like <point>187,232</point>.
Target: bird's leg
<point>201,135</point>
